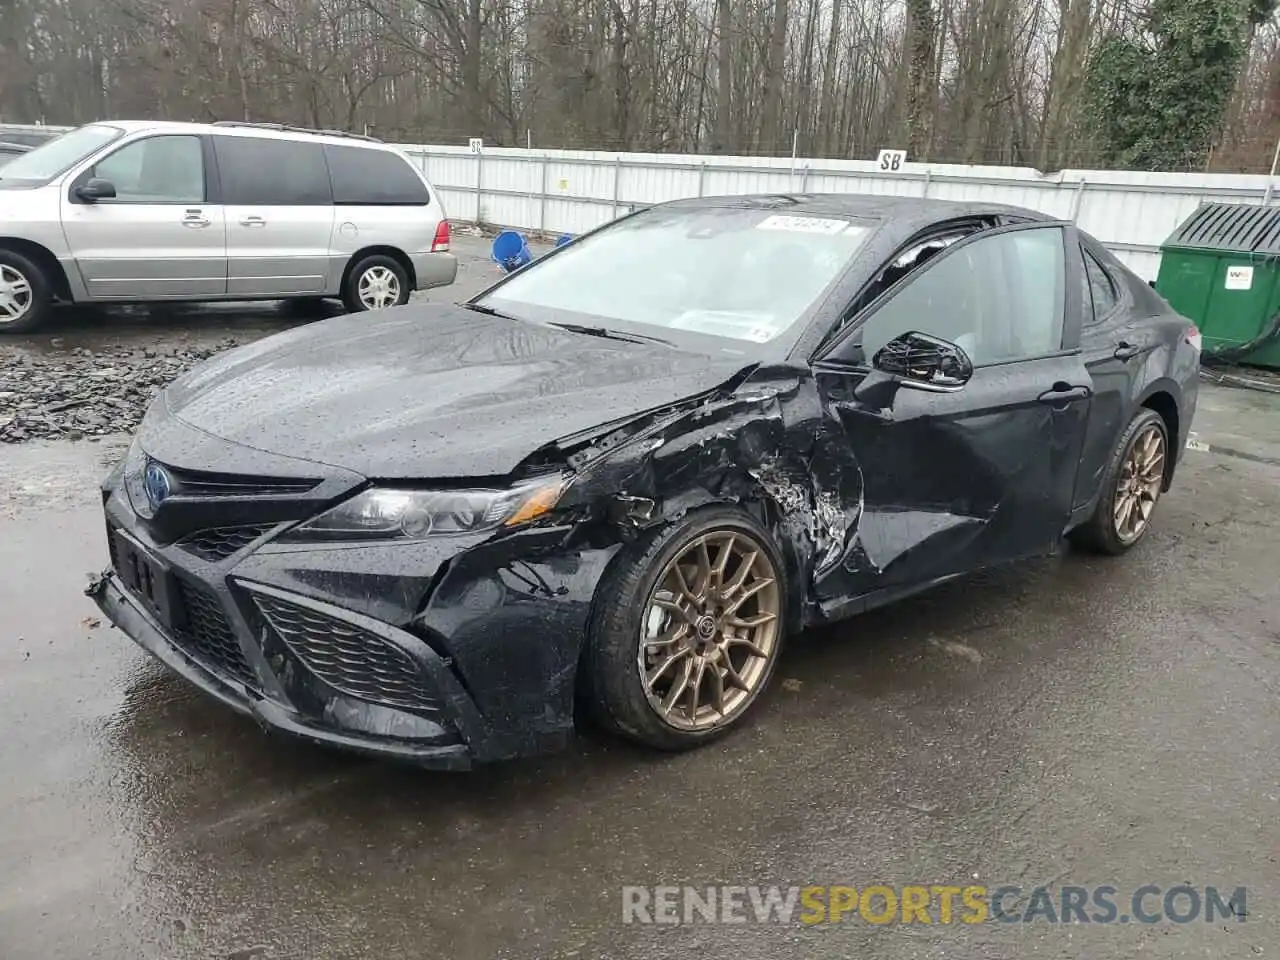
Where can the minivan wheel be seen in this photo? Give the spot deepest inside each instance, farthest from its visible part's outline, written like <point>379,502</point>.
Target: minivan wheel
<point>376,282</point>
<point>24,294</point>
<point>688,630</point>
<point>1131,487</point>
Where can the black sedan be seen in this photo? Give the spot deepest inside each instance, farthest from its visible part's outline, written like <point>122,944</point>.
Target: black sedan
<point>612,484</point>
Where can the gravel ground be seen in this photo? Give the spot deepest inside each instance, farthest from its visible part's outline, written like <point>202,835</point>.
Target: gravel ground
<point>84,392</point>
<point>96,370</point>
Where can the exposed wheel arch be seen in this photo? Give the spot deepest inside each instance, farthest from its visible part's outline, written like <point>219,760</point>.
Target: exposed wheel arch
<point>43,258</point>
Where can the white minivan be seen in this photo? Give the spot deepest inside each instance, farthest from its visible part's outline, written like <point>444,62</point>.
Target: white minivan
<point>137,212</point>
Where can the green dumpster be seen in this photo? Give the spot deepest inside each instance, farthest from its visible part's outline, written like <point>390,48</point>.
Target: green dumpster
<point>1220,269</point>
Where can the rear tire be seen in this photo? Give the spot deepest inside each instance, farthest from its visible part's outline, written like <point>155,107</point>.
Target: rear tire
<point>26,296</point>
<point>376,282</point>
<point>1131,488</point>
<point>674,657</point>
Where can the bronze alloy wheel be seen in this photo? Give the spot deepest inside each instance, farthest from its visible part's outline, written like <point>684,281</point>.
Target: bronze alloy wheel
<point>1138,484</point>
<point>710,631</point>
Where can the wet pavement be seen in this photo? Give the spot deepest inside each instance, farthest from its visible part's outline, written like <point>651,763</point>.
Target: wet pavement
<point>1076,721</point>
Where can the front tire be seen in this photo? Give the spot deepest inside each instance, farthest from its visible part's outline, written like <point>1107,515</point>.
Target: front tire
<point>1131,487</point>
<point>25,294</point>
<point>376,282</point>
<point>688,630</point>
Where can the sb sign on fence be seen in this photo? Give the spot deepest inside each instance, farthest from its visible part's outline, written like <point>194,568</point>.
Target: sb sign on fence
<point>891,161</point>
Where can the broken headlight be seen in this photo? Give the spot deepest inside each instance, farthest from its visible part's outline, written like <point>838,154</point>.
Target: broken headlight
<point>384,513</point>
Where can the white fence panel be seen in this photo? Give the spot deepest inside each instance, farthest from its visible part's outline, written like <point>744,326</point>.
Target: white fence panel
<point>573,191</point>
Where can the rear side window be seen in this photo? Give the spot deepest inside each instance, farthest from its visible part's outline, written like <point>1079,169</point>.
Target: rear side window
<point>374,178</point>
<point>1101,286</point>
<point>277,173</point>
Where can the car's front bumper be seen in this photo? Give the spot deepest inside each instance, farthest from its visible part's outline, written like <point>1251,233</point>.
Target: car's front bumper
<point>442,750</point>
<point>442,654</point>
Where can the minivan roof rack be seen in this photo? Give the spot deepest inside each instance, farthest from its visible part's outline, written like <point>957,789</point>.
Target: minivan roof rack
<point>285,128</point>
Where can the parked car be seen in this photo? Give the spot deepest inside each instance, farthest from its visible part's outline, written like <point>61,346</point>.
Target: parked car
<point>622,475</point>
<point>28,137</point>
<point>9,151</point>
<point>141,212</point>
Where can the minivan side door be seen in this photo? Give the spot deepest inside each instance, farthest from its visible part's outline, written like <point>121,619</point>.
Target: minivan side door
<point>279,208</point>
<point>162,236</point>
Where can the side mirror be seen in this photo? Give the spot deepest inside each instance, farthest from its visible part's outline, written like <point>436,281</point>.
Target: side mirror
<point>924,361</point>
<point>96,189</point>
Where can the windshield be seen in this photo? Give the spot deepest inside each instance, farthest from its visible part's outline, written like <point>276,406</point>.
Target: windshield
<point>60,154</point>
<point>744,275</point>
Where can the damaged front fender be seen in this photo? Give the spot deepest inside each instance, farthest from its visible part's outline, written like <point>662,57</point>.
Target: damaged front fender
<point>763,443</point>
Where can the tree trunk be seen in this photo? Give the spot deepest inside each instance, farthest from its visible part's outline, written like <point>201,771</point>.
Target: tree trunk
<point>771,127</point>
<point>722,140</point>
<point>921,39</point>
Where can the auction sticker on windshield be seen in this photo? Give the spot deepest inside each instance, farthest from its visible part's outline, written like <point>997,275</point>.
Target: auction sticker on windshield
<point>803,224</point>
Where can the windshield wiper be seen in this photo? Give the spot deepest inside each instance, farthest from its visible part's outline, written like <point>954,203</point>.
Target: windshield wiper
<point>608,334</point>
<point>487,311</point>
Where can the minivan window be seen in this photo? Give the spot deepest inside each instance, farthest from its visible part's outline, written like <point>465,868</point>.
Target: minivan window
<point>61,154</point>
<point>374,178</point>
<point>272,173</point>
<point>168,169</point>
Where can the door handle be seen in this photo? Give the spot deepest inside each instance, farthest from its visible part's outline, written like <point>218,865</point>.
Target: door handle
<point>1063,394</point>
<point>195,220</point>
<point>252,222</point>
<point>1127,350</point>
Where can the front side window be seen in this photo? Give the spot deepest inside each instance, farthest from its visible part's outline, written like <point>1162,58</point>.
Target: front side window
<point>261,172</point>
<point>59,155</point>
<point>999,298</point>
<point>155,170</point>
<point>739,275</point>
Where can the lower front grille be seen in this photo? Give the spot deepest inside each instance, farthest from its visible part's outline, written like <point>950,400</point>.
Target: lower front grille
<point>221,542</point>
<point>351,660</point>
<point>207,635</point>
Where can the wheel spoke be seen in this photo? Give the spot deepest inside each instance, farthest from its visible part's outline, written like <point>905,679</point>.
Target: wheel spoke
<point>747,593</point>
<point>671,636</point>
<point>751,623</point>
<point>739,578</point>
<point>653,675</point>
<point>735,679</point>
<point>722,561</point>
<point>674,607</point>
<point>683,584</point>
<point>704,568</point>
<point>750,646</point>
<point>695,688</point>
<point>678,688</point>
<point>717,690</point>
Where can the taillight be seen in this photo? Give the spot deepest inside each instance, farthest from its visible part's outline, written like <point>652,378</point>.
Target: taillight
<point>1192,336</point>
<point>441,243</point>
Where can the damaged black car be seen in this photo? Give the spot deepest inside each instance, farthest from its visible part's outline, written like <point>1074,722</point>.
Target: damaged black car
<point>612,484</point>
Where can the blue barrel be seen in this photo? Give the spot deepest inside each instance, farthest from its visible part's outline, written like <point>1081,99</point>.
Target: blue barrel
<point>564,238</point>
<point>510,250</point>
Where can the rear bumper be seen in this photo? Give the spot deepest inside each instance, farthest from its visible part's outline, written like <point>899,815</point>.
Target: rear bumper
<point>434,269</point>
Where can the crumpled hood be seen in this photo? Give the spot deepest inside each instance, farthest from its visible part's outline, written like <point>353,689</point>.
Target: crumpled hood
<point>430,391</point>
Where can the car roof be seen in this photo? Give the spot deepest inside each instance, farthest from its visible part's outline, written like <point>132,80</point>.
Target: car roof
<point>872,206</point>
<point>246,129</point>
